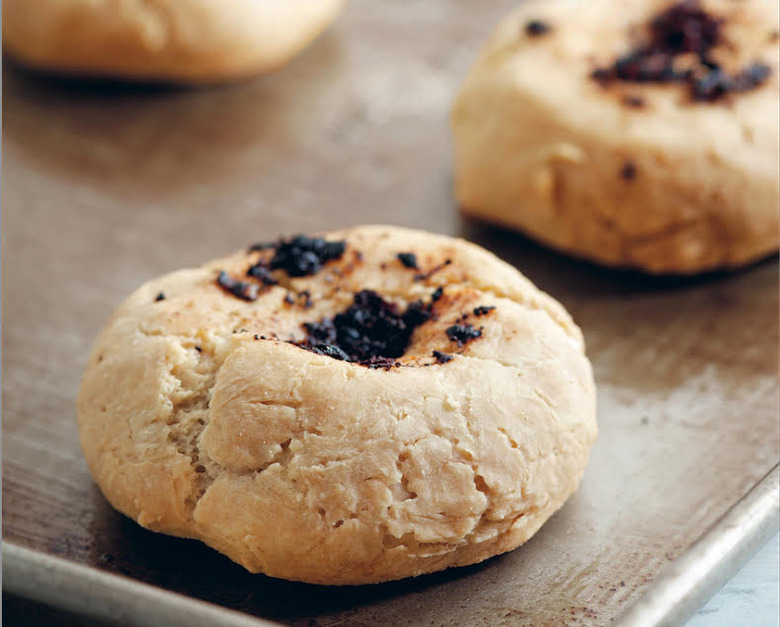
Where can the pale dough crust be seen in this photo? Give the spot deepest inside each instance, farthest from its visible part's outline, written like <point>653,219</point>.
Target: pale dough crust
<point>308,468</point>
<point>168,40</point>
<point>542,147</point>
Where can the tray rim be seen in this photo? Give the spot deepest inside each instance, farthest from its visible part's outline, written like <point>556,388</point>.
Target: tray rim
<point>671,599</point>
<point>709,562</point>
<point>89,591</point>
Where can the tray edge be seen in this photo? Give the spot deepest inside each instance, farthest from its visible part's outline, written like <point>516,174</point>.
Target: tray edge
<point>694,577</point>
<point>75,587</point>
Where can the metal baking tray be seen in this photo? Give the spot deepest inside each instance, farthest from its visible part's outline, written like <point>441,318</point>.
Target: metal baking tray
<point>106,186</point>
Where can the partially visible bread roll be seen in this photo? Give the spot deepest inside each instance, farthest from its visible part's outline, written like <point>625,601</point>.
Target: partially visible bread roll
<point>201,41</point>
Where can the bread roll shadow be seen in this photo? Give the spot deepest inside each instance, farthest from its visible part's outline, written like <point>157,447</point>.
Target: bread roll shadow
<point>559,274</point>
<point>118,545</point>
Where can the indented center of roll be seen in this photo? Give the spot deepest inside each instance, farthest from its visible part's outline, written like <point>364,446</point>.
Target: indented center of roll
<point>371,331</point>
<point>679,50</point>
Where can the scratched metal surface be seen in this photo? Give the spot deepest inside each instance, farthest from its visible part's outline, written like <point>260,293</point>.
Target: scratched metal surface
<point>104,187</point>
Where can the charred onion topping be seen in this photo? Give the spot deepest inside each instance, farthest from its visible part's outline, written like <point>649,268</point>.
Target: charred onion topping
<point>683,29</point>
<point>304,256</point>
<point>298,256</point>
<point>628,171</point>
<point>463,333</point>
<point>424,276</point>
<point>240,289</point>
<point>717,83</point>
<point>634,101</point>
<point>262,273</point>
<point>534,28</point>
<point>371,332</point>
<point>409,260</point>
<point>442,358</point>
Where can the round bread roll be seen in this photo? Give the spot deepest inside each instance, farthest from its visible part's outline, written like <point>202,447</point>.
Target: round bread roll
<point>639,134</point>
<point>368,405</point>
<point>163,40</point>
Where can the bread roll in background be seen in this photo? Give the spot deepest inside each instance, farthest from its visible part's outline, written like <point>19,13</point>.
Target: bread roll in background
<point>638,134</point>
<point>187,41</point>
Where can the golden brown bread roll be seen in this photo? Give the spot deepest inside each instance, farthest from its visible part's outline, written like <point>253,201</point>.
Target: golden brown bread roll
<point>201,41</point>
<point>373,404</point>
<point>639,134</point>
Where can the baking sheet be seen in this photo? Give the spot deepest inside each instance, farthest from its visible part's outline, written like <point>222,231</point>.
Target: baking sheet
<point>104,187</point>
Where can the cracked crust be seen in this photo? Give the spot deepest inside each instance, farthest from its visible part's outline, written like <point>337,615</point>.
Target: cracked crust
<point>308,468</point>
<point>169,40</point>
<point>629,175</point>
